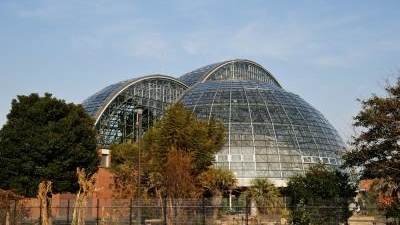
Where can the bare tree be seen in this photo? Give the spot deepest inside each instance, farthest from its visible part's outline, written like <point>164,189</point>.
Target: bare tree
<point>86,189</point>
<point>45,198</point>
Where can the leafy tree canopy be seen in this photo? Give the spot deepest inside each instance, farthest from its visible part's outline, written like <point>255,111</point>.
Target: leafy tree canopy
<point>178,148</point>
<point>124,166</point>
<point>320,188</point>
<point>45,139</point>
<point>179,129</point>
<point>320,182</point>
<point>376,148</point>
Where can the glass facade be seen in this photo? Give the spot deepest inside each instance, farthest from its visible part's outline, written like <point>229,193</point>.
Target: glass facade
<point>114,107</point>
<point>270,132</point>
<point>234,69</point>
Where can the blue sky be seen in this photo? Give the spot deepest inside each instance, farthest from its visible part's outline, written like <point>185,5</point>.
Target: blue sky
<point>329,52</point>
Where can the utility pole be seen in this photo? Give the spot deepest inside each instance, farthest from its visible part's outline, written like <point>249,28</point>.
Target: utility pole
<point>139,114</point>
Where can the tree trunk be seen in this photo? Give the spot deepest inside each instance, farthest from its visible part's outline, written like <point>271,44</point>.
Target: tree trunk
<point>216,202</point>
<point>77,216</point>
<point>86,189</point>
<point>253,207</point>
<point>45,195</point>
<point>8,217</point>
<point>170,211</point>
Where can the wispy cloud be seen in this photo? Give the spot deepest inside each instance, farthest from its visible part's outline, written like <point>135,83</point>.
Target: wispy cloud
<point>133,38</point>
<point>255,38</point>
<point>296,35</point>
<point>59,9</point>
<point>330,42</point>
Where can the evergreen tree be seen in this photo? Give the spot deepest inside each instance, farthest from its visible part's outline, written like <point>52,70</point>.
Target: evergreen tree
<point>125,169</point>
<point>45,139</point>
<point>177,149</point>
<point>322,195</point>
<point>191,142</point>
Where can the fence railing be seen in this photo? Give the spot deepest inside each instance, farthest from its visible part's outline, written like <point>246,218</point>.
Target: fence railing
<point>162,211</point>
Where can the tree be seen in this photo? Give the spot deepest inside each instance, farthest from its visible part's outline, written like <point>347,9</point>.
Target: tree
<point>44,196</point>
<point>217,182</point>
<point>264,193</point>
<point>191,142</point>
<point>45,139</point>
<point>125,169</point>
<point>320,195</point>
<point>177,149</point>
<point>86,189</point>
<point>8,201</point>
<point>376,148</point>
<point>384,194</point>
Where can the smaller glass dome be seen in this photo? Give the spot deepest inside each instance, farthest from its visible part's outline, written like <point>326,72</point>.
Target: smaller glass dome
<point>113,107</point>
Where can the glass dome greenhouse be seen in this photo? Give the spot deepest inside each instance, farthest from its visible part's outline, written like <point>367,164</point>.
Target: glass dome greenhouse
<point>271,132</point>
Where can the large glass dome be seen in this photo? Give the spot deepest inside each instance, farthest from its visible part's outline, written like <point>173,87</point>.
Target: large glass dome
<point>270,132</point>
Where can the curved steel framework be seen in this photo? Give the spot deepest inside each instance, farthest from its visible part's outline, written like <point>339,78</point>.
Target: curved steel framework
<point>230,70</point>
<point>114,107</point>
<point>271,132</point>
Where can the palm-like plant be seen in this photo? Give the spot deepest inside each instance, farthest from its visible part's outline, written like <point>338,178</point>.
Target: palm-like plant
<point>218,182</point>
<point>264,193</point>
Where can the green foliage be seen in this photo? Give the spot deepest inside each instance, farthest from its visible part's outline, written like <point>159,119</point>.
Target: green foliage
<point>125,169</point>
<point>376,148</point>
<point>190,141</point>
<point>384,192</point>
<point>299,215</point>
<point>265,194</point>
<point>124,153</point>
<point>45,139</point>
<point>325,194</point>
<point>179,129</point>
<point>217,181</point>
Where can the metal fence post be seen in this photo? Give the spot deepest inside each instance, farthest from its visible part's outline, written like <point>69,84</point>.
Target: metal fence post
<point>247,211</point>
<point>97,212</point>
<point>130,211</point>
<point>164,211</point>
<point>67,211</point>
<point>15,211</point>
<point>40,213</point>
<point>204,211</point>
